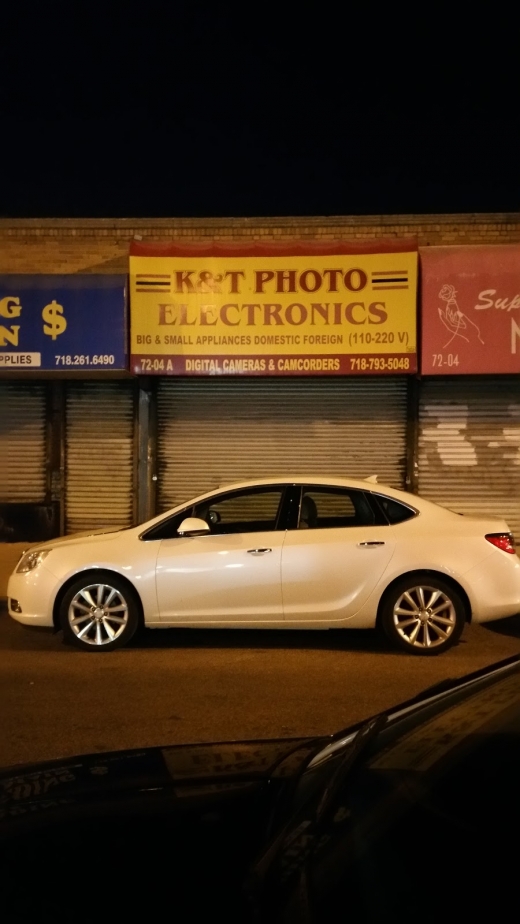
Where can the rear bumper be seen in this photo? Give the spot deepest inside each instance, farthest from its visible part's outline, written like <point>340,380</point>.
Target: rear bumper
<point>493,587</point>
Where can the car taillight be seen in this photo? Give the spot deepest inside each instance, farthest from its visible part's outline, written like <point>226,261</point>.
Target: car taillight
<point>504,541</point>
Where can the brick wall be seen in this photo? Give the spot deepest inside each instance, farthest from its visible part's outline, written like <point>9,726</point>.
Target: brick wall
<point>101,245</point>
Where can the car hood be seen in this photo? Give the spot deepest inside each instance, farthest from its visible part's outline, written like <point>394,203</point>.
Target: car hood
<point>170,773</point>
<point>176,775</point>
<point>88,536</point>
<point>220,830</point>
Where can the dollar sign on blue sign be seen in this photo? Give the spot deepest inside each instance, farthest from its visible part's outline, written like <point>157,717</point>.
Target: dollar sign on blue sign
<point>53,315</point>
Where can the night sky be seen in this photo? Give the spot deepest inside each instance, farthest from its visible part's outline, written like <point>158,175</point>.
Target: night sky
<point>240,111</point>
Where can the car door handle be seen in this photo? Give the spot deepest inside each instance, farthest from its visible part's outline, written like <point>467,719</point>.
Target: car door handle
<point>370,545</point>
<point>258,551</point>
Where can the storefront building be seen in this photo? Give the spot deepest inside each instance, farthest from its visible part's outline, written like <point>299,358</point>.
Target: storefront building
<point>304,356</point>
<point>66,418</point>
<point>275,358</point>
<point>469,396</point>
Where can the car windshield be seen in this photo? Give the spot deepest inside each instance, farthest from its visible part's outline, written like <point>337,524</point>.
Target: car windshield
<point>424,792</point>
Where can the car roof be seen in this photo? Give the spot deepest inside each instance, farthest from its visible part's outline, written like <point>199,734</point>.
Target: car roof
<point>367,484</point>
<point>364,484</point>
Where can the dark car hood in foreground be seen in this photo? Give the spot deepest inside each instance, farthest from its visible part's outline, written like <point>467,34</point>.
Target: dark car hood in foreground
<point>180,771</point>
<point>146,775</point>
<point>280,830</point>
<point>135,834</point>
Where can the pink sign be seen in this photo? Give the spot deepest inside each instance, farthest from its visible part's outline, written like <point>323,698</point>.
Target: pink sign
<point>470,309</point>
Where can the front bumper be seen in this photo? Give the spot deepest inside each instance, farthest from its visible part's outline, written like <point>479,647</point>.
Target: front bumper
<point>34,593</point>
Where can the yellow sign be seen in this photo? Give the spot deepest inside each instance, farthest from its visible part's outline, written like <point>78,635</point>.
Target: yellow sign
<point>272,312</point>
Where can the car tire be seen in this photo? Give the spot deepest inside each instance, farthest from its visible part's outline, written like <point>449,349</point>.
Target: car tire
<point>423,614</point>
<point>99,612</point>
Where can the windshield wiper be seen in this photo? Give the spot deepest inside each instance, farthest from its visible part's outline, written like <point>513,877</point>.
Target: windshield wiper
<point>365,735</point>
<point>301,830</point>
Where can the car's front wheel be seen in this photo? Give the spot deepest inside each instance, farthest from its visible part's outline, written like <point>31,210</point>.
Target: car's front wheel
<point>423,614</point>
<point>99,612</point>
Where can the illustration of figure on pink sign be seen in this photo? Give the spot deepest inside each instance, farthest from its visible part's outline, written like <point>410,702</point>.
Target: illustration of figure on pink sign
<point>454,320</point>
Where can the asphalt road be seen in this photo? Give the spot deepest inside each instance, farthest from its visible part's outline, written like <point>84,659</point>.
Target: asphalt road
<point>176,686</point>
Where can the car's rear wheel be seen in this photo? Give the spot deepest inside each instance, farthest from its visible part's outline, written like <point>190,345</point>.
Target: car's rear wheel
<point>99,612</point>
<point>423,614</point>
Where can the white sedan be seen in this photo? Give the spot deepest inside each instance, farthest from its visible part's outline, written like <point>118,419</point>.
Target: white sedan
<point>303,553</point>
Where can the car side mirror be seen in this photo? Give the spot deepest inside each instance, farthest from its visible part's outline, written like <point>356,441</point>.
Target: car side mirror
<point>193,526</point>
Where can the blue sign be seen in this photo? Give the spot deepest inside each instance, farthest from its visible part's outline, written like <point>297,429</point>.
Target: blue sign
<point>63,323</point>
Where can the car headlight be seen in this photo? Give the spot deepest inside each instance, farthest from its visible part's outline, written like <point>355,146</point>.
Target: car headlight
<point>30,560</point>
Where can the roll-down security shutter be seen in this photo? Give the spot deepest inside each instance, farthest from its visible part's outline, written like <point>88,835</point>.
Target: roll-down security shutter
<point>99,455</point>
<point>469,445</point>
<point>216,431</point>
<point>22,443</point>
